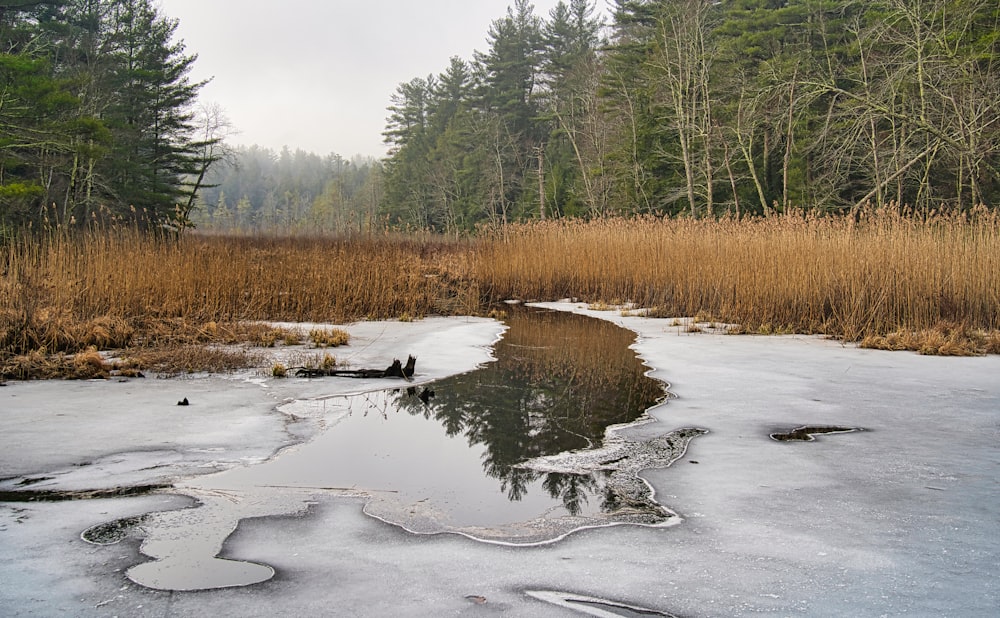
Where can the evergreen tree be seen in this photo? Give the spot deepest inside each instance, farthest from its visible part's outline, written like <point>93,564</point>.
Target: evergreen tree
<point>407,171</point>
<point>510,75</point>
<point>151,117</point>
<point>96,113</point>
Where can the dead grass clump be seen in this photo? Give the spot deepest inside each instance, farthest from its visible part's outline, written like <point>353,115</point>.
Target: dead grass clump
<point>181,331</point>
<point>292,336</point>
<point>182,359</point>
<point>661,312</point>
<point>165,346</point>
<point>992,345</point>
<point>329,338</point>
<point>944,339</point>
<point>90,363</point>
<point>59,332</point>
<point>264,335</point>
<point>36,363</point>
<point>39,364</point>
<point>104,332</point>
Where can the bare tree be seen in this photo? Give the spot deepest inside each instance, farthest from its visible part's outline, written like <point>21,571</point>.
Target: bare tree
<point>921,122</point>
<point>213,129</point>
<point>681,69</point>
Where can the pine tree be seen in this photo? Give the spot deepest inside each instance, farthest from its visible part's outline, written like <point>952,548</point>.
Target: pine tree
<point>97,113</point>
<point>510,75</point>
<point>151,116</point>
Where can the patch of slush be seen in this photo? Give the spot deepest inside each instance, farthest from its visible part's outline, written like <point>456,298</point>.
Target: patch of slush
<point>112,532</point>
<point>619,461</point>
<point>58,495</point>
<point>135,468</point>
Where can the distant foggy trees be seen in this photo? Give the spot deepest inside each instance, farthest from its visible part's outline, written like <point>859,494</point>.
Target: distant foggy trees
<point>255,188</point>
<point>704,108</point>
<point>96,116</point>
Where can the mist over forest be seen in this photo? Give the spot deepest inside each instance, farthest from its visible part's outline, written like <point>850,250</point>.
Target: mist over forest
<point>686,107</point>
<point>256,188</point>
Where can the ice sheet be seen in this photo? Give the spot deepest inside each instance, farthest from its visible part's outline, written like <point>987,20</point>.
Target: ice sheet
<point>899,519</point>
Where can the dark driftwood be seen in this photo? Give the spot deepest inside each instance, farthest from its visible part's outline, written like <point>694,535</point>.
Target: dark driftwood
<point>395,370</point>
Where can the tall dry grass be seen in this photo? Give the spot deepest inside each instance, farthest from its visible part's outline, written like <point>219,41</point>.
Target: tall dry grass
<point>889,280</point>
<point>883,273</point>
<point>116,289</point>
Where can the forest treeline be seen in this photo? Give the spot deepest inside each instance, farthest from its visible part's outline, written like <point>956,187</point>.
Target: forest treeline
<point>673,107</point>
<point>98,116</point>
<point>704,107</point>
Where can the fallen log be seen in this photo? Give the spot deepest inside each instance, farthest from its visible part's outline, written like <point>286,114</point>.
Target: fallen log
<point>395,370</point>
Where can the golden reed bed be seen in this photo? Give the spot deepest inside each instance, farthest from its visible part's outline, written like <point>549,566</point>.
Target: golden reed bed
<point>927,283</point>
<point>886,280</point>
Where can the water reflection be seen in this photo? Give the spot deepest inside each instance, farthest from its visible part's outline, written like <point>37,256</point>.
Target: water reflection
<point>559,381</point>
<point>433,464</point>
<point>474,458</point>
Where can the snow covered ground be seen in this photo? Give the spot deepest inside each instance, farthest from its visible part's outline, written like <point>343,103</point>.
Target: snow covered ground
<point>899,519</point>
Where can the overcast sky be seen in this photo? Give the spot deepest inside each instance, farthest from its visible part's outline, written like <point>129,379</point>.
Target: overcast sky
<point>318,74</point>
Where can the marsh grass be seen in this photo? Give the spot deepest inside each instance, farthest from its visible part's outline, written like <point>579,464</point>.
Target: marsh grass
<point>857,280</point>
<point>164,360</point>
<point>127,290</point>
<point>887,279</point>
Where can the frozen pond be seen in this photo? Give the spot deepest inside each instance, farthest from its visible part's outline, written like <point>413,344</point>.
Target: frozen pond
<point>899,518</point>
<point>449,455</point>
<point>522,450</point>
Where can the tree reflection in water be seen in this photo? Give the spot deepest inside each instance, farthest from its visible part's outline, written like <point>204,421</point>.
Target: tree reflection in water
<point>559,381</point>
